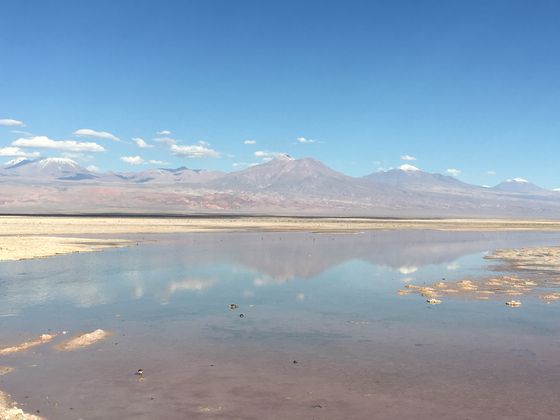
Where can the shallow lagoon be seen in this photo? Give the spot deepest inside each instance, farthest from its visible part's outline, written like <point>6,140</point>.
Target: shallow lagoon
<point>325,301</point>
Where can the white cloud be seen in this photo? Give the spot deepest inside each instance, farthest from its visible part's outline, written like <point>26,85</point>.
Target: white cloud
<point>165,140</point>
<point>408,158</point>
<point>164,133</point>
<point>158,162</point>
<point>88,132</point>
<point>303,140</point>
<point>243,164</point>
<point>9,122</point>
<point>556,189</point>
<point>92,168</point>
<point>408,269</point>
<point>249,142</point>
<point>454,172</point>
<point>133,160</point>
<point>407,167</point>
<point>141,143</point>
<point>16,152</point>
<point>43,142</point>
<point>263,154</point>
<point>453,266</point>
<point>267,156</point>
<point>22,133</point>
<point>194,151</point>
<point>491,173</point>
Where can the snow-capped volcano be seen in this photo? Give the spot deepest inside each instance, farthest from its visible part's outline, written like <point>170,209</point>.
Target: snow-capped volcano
<point>521,186</point>
<point>56,163</point>
<point>48,168</point>
<point>283,157</point>
<point>286,174</point>
<point>408,168</point>
<point>15,161</point>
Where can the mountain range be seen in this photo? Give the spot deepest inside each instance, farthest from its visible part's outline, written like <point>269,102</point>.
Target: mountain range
<point>282,186</point>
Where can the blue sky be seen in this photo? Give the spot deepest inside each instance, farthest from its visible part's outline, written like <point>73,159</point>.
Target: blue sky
<point>466,85</point>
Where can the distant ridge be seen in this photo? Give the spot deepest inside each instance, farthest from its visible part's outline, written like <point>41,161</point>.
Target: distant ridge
<point>283,185</point>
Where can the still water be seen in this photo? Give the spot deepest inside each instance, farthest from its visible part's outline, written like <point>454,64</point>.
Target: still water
<point>324,334</point>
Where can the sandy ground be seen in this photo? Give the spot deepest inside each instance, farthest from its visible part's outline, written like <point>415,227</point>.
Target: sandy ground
<point>42,339</point>
<point>17,247</point>
<point>9,410</point>
<point>83,340</point>
<point>24,237</point>
<point>4,370</point>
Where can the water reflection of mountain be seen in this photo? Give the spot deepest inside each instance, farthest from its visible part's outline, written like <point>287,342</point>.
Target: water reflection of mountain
<point>306,255</point>
<point>159,270</point>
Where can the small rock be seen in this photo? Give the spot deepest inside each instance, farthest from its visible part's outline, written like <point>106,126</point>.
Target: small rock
<point>4,370</point>
<point>233,306</point>
<point>433,301</point>
<point>513,303</point>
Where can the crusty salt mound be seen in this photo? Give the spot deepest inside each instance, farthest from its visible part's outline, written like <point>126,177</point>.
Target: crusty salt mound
<point>4,370</point>
<point>10,411</point>
<point>42,339</point>
<point>529,272</point>
<point>84,340</point>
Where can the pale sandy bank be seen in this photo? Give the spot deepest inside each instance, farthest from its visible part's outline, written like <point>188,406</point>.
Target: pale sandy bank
<point>10,411</point>
<point>83,340</point>
<point>23,237</point>
<point>18,247</point>
<point>42,339</point>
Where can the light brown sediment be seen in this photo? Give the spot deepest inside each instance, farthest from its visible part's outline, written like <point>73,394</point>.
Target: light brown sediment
<point>28,247</point>
<point>529,259</point>
<point>42,339</point>
<point>4,370</point>
<point>551,296</point>
<point>83,340</point>
<point>10,411</point>
<point>531,271</point>
<point>42,236</point>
